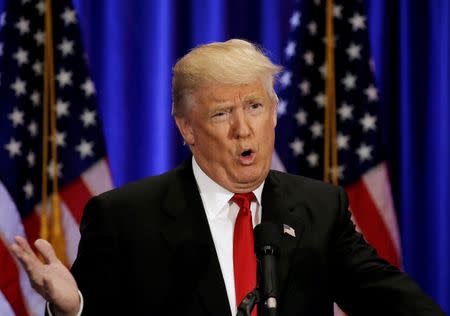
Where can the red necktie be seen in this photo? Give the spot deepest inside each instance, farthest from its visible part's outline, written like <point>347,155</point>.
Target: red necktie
<point>244,258</point>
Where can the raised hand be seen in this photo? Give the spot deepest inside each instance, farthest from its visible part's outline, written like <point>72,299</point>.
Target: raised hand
<point>52,280</point>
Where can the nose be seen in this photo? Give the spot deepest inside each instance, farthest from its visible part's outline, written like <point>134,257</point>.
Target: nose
<point>241,127</point>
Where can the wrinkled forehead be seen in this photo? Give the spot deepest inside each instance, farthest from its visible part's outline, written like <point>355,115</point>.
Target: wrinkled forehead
<point>214,93</point>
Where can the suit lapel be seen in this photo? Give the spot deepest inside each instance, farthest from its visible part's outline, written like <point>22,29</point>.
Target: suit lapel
<point>279,208</point>
<point>189,234</point>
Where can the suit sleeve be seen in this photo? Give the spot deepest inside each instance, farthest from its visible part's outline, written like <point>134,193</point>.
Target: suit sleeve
<point>365,284</point>
<point>95,268</point>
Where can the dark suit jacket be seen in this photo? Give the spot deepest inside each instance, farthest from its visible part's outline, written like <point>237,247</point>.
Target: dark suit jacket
<point>146,249</point>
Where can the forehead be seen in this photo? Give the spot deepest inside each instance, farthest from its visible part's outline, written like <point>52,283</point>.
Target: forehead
<point>220,93</point>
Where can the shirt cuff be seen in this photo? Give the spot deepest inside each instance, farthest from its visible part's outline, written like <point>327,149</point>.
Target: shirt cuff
<point>49,311</point>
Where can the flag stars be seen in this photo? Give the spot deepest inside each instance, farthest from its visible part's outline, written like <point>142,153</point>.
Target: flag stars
<point>372,93</point>
<point>88,118</point>
<point>320,100</point>
<point>66,47</point>
<point>316,130</point>
<point>51,169</point>
<point>353,51</point>
<point>305,87</point>
<point>62,108</point>
<point>281,109</point>
<point>285,79</point>
<point>23,26</point>
<point>88,87</point>
<point>312,28</point>
<point>64,78</point>
<point>3,19</point>
<point>368,122</point>
<point>349,81</point>
<point>60,139</point>
<point>342,141</point>
<point>337,11</point>
<point>35,98</point>
<point>290,49</point>
<point>33,129</point>
<point>21,56</point>
<point>13,148</point>
<point>339,171</point>
<point>313,159</point>
<point>16,117</point>
<point>39,37</point>
<point>364,152</point>
<point>37,68</point>
<point>31,159</point>
<point>68,16</point>
<point>345,112</point>
<point>294,21</point>
<point>297,147</point>
<point>309,58</point>
<point>19,87</point>
<point>85,149</point>
<point>358,22</point>
<point>301,117</point>
<point>323,70</point>
<point>40,7</point>
<point>28,188</point>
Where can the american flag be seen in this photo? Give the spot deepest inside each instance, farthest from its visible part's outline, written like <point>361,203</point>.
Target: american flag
<point>82,169</point>
<point>361,168</point>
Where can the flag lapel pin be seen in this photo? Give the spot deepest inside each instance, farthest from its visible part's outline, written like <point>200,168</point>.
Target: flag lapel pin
<point>288,230</point>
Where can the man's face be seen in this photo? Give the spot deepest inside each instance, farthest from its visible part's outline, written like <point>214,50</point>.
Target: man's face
<point>231,132</point>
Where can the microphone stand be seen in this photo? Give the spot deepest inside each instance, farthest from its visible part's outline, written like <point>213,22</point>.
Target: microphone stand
<point>249,302</point>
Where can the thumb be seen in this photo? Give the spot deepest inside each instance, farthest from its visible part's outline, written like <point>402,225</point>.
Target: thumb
<point>46,250</point>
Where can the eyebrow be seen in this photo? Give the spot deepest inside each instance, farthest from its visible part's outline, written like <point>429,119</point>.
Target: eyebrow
<point>248,97</point>
<point>252,97</point>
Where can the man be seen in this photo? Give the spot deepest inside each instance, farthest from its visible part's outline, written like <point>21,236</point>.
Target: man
<point>181,243</point>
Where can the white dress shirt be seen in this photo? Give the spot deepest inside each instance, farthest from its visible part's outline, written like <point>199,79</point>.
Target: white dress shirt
<point>221,214</point>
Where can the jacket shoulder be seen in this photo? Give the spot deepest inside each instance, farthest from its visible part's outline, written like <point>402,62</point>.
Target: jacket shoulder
<point>295,183</point>
<point>142,194</point>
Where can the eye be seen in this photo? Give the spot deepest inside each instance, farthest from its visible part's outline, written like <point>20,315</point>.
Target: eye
<point>219,115</point>
<point>255,107</point>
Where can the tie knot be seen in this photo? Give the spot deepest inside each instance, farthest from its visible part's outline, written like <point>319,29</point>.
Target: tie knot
<point>243,199</point>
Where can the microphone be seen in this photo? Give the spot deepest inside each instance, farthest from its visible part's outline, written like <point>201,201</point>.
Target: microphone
<point>267,248</point>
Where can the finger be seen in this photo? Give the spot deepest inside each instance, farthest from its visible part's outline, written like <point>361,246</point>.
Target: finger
<point>46,250</point>
<point>17,251</point>
<point>24,258</point>
<point>23,243</point>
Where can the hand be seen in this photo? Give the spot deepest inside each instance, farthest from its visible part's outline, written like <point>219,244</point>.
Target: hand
<point>52,280</point>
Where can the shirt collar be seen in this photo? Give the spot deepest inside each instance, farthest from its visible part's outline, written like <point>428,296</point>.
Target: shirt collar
<point>214,196</point>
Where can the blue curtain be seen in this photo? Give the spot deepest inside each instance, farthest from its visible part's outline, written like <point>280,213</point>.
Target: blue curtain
<point>132,45</point>
<point>410,41</point>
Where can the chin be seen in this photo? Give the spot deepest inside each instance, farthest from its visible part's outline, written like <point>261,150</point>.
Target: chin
<point>249,176</point>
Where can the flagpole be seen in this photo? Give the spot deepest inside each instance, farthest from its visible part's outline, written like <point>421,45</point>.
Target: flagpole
<point>56,237</point>
<point>330,148</point>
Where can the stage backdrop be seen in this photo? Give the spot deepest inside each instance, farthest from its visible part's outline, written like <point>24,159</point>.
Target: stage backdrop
<point>132,45</point>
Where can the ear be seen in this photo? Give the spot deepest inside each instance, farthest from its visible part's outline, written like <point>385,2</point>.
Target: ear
<point>185,128</point>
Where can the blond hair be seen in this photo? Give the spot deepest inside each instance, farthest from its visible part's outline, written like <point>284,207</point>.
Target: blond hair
<point>234,62</point>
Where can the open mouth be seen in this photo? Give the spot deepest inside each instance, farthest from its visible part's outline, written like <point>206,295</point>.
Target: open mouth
<point>247,157</point>
<point>246,153</point>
